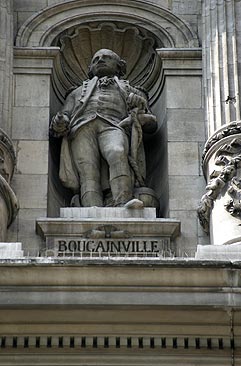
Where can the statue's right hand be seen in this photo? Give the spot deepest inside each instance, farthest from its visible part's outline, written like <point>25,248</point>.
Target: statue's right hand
<point>60,123</point>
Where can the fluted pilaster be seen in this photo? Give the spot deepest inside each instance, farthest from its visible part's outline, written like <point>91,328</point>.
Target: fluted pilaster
<point>6,63</point>
<point>221,51</point>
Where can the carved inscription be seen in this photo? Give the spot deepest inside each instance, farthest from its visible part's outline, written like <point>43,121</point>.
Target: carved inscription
<point>80,246</point>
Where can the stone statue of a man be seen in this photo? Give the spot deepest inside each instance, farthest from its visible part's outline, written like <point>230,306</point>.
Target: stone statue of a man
<point>101,122</point>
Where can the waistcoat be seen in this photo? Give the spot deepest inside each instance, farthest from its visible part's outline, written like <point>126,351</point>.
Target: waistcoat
<point>106,102</point>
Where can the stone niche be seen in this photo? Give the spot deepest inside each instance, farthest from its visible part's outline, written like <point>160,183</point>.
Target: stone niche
<point>137,46</point>
<point>162,54</point>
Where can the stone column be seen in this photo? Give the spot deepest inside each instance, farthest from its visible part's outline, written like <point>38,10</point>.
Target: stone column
<point>219,211</point>
<point>220,208</point>
<point>6,61</point>
<point>8,200</point>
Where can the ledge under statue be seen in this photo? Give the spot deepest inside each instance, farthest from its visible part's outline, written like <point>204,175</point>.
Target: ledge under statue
<point>102,123</point>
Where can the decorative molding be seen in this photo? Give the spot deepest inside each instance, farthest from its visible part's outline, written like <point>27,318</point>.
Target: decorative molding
<point>41,29</point>
<point>181,61</point>
<point>141,342</point>
<point>37,60</point>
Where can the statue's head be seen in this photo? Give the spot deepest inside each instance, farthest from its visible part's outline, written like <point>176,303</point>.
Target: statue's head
<point>106,63</point>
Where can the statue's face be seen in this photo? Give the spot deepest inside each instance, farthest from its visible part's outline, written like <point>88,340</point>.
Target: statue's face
<point>105,63</point>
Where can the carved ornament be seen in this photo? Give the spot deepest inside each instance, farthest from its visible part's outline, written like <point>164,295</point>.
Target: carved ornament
<point>107,231</point>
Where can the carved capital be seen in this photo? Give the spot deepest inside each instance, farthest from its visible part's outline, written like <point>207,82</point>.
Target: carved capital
<point>224,179</point>
<point>229,130</point>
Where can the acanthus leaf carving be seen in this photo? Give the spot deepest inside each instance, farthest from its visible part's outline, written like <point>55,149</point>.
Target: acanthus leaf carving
<point>228,156</point>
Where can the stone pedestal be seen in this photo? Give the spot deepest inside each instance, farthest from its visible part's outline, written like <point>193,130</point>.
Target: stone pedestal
<point>108,232</point>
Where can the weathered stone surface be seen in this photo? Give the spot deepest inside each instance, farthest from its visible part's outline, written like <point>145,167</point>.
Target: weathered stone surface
<point>185,152</point>
<point>184,92</point>
<point>29,5</point>
<point>31,190</point>
<point>185,115</point>
<point>30,123</point>
<point>186,243</point>
<point>36,91</point>
<point>185,192</point>
<point>185,125</point>
<point>32,157</point>
<point>32,244</point>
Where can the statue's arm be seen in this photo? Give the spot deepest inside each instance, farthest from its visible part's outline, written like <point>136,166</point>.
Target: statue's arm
<point>60,123</point>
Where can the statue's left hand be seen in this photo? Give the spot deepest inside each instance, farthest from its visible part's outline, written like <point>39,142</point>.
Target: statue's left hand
<point>148,122</point>
<point>60,124</point>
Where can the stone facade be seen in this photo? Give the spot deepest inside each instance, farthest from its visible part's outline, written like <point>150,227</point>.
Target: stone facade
<point>169,291</point>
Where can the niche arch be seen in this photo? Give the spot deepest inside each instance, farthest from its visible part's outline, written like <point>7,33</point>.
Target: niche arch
<point>41,29</point>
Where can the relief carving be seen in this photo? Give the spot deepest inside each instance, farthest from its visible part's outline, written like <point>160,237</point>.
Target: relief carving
<point>107,231</point>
